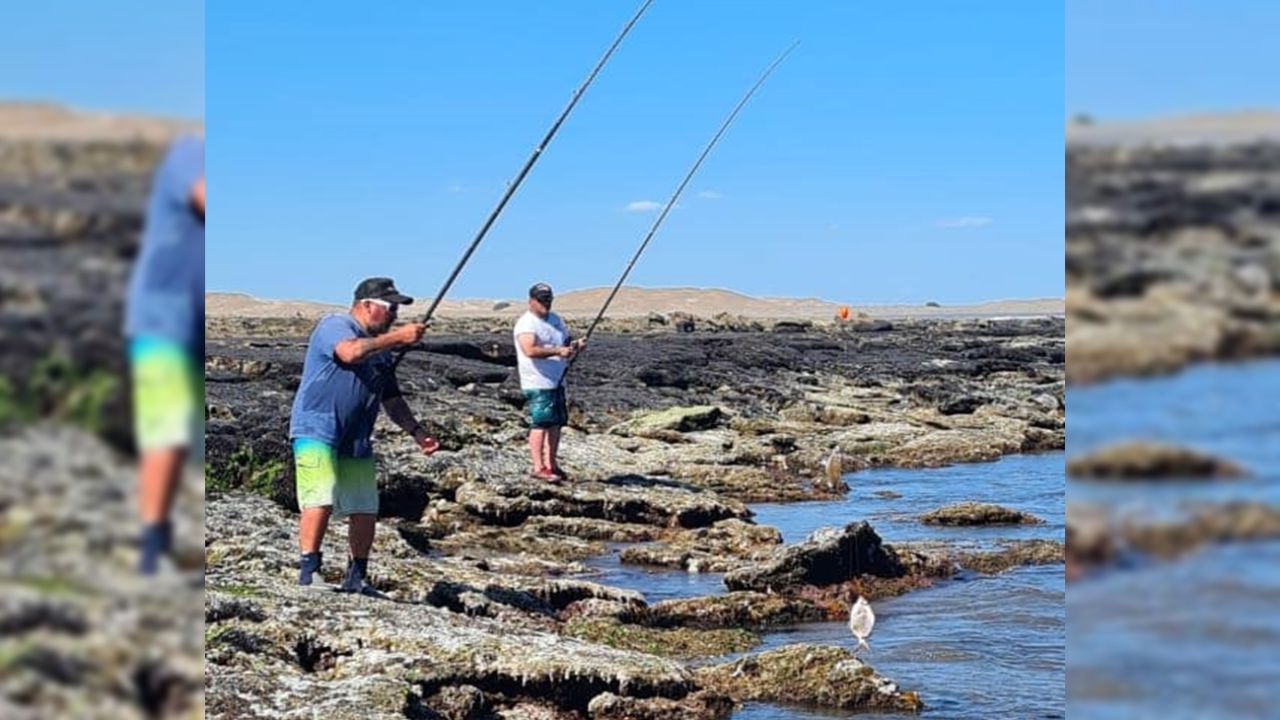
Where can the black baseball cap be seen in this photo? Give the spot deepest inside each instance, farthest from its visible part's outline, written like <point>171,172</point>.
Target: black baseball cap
<point>542,293</point>
<point>381,288</point>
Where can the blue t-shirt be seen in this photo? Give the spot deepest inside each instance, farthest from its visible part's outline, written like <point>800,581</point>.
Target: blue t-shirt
<point>166,291</point>
<point>337,404</point>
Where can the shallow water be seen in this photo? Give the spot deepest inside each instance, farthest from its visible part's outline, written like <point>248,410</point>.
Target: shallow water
<point>1196,637</point>
<point>1032,483</point>
<point>979,647</point>
<point>988,647</point>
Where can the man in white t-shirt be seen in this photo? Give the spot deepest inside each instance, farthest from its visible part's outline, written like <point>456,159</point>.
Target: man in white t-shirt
<point>543,350</point>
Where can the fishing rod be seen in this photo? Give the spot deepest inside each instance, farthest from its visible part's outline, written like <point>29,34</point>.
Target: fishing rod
<point>528,165</point>
<point>674,197</point>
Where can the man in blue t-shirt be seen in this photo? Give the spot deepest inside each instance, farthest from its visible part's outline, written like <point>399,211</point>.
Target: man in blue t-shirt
<point>346,376</point>
<point>164,327</point>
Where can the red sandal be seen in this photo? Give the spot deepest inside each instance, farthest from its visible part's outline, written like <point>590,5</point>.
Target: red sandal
<point>545,475</point>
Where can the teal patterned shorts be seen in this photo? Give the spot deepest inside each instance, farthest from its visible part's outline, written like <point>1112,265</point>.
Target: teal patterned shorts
<point>546,408</point>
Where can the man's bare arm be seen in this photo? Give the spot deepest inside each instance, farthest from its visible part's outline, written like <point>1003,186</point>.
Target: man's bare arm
<point>531,350</point>
<point>357,350</point>
<point>197,196</point>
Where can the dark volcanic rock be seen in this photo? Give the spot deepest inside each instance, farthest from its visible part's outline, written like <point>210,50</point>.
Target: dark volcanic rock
<point>71,218</point>
<point>829,556</point>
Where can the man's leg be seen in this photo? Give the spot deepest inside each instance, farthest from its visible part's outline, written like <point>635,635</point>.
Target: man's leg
<point>315,521</point>
<point>315,478</point>
<point>164,407</point>
<point>537,445</point>
<point>553,447</point>
<point>356,498</point>
<point>560,418</point>
<point>158,475</point>
<point>360,530</point>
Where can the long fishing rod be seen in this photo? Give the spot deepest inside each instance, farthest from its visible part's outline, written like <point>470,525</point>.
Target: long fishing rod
<point>528,165</point>
<point>676,196</point>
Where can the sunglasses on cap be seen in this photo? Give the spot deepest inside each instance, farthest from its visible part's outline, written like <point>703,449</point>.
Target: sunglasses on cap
<point>384,304</point>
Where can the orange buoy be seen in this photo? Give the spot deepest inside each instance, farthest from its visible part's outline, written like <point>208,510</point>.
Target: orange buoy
<point>843,313</point>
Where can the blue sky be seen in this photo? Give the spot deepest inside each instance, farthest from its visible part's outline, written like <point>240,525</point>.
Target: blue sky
<point>139,56</point>
<point>1133,59</point>
<point>904,153</point>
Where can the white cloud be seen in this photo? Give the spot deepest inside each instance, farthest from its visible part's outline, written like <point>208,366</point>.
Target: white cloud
<point>710,194</point>
<point>643,206</point>
<point>963,222</point>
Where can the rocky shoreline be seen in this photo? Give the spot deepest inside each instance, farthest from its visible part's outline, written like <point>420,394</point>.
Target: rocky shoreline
<point>672,434</point>
<point>1173,256</point>
<point>81,635</point>
<point>71,215</point>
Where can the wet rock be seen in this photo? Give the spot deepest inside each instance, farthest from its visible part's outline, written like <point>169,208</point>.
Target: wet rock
<point>973,513</point>
<point>1226,523</point>
<point>1091,539</point>
<point>463,702</point>
<point>828,556</point>
<point>945,445</point>
<point>806,675</point>
<point>1151,461</point>
<point>592,608</point>
<point>733,610</point>
<point>1097,540</point>
<point>594,529</point>
<point>699,706</point>
<point>681,643</point>
<point>676,419</point>
<point>511,502</point>
<point>1020,553</point>
<point>482,540</point>
<point>726,545</point>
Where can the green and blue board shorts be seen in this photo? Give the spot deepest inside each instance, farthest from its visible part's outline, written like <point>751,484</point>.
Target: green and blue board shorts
<point>324,479</point>
<point>168,394</point>
<point>547,407</point>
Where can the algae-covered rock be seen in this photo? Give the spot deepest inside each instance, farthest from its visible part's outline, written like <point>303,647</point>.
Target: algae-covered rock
<point>511,502</point>
<point>680,643</point>
<point>676,419</point>
<point>698,706</point>
<point>1151,461</point>
<point>1014,553</point>
<point>974,513</point>
<point>801,674</point>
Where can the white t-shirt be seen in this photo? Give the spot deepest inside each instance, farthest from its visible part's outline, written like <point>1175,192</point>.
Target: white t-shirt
<point>540,373</point>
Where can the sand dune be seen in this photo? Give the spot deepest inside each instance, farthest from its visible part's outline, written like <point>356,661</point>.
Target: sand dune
<point>642,301</point>
<point>49,121</point>
<point>1201,129</point>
